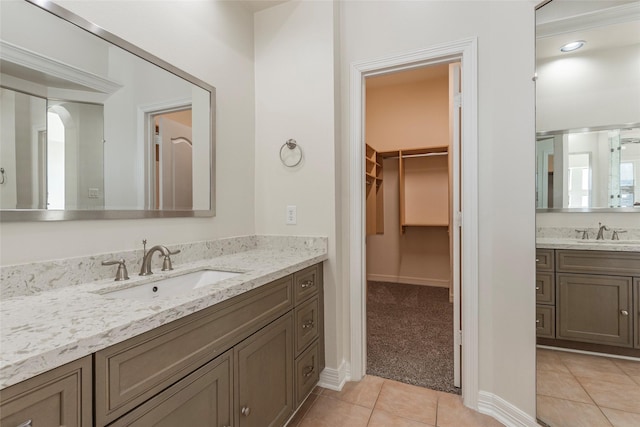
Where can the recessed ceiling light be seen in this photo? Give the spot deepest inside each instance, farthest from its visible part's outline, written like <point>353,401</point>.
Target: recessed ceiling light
<point>570,47</point>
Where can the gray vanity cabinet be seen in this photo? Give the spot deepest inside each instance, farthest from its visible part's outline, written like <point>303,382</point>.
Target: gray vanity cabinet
<point>60,397</point>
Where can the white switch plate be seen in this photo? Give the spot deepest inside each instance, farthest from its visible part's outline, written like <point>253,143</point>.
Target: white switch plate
<point>292,215</point>
<point>93,193</point>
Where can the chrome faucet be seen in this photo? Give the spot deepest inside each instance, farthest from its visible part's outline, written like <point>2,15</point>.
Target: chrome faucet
<point>145,268</point>
<point>601,231</point>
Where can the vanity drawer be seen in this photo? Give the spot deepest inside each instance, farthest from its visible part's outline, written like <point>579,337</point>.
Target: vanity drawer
<point>306,323</point>
<point>306,282</point>
<point>307,372</point>
<point>544,259</point>
<point>598,262</point>
<point>131,372</point>
<point>545,288</point>
<point>203,398</point>
<point>546,321</point>
<point>61,396</point>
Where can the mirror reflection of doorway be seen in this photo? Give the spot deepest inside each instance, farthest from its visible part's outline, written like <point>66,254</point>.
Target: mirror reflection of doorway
<point>173,160</point>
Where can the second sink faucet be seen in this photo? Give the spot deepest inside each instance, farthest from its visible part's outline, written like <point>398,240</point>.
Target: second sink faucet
<point>601,230</point>
<point>145,268</point>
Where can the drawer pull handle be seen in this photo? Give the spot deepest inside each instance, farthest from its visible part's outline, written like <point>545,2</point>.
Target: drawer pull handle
<point>308,371</point>
<point>537,288</point>
<point>538,321</point>
<point>245,411</point>
<point>306,284</point>
<point>624,312</point>
<point>25,424</point>
<point>537,259</point>
<point>307,324</point>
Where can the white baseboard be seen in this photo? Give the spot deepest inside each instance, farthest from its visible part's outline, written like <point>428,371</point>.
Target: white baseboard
<point>503,411</point>
<point>334,379</point>
<point>439,283</point>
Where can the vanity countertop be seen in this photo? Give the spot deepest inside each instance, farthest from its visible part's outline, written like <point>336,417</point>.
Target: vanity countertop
<point>42,331</point>
<point>588,245</point>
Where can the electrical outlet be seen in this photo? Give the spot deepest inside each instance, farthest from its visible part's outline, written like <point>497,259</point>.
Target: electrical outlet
<point>93,193</point>
<point>292,215</point>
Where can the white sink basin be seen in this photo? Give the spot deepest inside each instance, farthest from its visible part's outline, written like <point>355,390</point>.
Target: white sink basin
<point>173,286</point>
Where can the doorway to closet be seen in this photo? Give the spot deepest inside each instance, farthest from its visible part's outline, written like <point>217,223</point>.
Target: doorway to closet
<point>411,127</point>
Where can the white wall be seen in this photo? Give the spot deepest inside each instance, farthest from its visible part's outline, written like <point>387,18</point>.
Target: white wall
<point>294,60</point>
<point>505,34</point>
<point>214,42</point>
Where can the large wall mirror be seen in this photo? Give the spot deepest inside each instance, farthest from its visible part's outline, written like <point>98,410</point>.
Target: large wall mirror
<point>588,106</point>
<point>92,127</point>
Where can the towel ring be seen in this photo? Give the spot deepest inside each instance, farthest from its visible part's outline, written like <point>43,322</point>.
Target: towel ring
<point>293,156</point>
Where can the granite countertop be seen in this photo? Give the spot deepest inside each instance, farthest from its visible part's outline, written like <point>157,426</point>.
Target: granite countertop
<point>48,329</point>
<point>588,245</point>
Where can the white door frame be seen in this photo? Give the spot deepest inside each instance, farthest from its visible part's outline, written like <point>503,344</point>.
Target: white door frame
<point>466,52</point>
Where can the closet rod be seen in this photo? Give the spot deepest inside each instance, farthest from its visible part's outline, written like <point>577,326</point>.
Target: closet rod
<point>418,155</point>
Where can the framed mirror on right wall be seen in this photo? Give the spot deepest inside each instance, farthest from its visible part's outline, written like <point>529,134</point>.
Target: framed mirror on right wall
<point>587,205</point>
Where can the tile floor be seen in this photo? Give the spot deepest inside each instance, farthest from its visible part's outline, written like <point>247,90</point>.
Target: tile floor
<point>583,390</point>
<point>377,402</point>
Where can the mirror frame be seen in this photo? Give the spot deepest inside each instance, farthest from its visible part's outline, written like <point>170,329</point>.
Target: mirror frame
<point>596,128</point>
<point>22,215</point>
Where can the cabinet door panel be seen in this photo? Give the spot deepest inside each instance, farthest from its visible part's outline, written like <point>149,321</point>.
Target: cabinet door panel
<point>307,282</point>
<point>60,397</point>
<point>203,398</point>
<point>263,369</point>
<point>307,372</point>
<point>595,309</point>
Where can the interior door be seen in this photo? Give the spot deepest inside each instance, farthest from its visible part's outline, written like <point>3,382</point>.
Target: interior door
<point>455,233</point>
<point>175,165</point>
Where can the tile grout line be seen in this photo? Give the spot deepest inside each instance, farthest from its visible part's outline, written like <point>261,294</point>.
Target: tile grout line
<point>376,402</point>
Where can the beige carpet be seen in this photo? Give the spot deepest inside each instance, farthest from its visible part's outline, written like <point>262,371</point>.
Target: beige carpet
<point>410,335</point>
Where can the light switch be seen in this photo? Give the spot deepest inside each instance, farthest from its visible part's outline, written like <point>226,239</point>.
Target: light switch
<point>292,215</point>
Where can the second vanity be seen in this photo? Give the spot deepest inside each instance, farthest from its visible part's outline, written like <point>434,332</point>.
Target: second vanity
<point>245,352</point>
<point>588,295</point>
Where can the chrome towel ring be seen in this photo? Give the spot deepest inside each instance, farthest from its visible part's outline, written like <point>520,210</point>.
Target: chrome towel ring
<point>293,155</point>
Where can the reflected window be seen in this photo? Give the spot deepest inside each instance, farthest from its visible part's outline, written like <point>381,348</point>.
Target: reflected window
<point>55,162</point>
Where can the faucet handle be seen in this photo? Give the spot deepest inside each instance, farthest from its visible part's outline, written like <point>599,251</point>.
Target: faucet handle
<point>166,264</point>
<point>121,273</point>
<point>585,233</point>
<point>614,236</point>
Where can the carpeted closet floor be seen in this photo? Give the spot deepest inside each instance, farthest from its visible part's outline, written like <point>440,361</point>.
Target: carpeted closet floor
<point>410,335</point>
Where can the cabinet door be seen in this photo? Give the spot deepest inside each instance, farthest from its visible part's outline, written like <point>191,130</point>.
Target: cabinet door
<point>60,397</point>
<point>263,368</point>
<point>596,309</point>
<point>202,398</point>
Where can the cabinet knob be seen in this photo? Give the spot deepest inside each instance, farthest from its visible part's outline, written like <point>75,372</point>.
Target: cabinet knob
<point>25,424</point>
<point>537,288</point>
<point>624,312</point>
<point>306,284</point>
<point>537,321</point>
<point>308,324</point>
<point>537,259</point>
<point>245,411</point>
<point>308,371</point>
